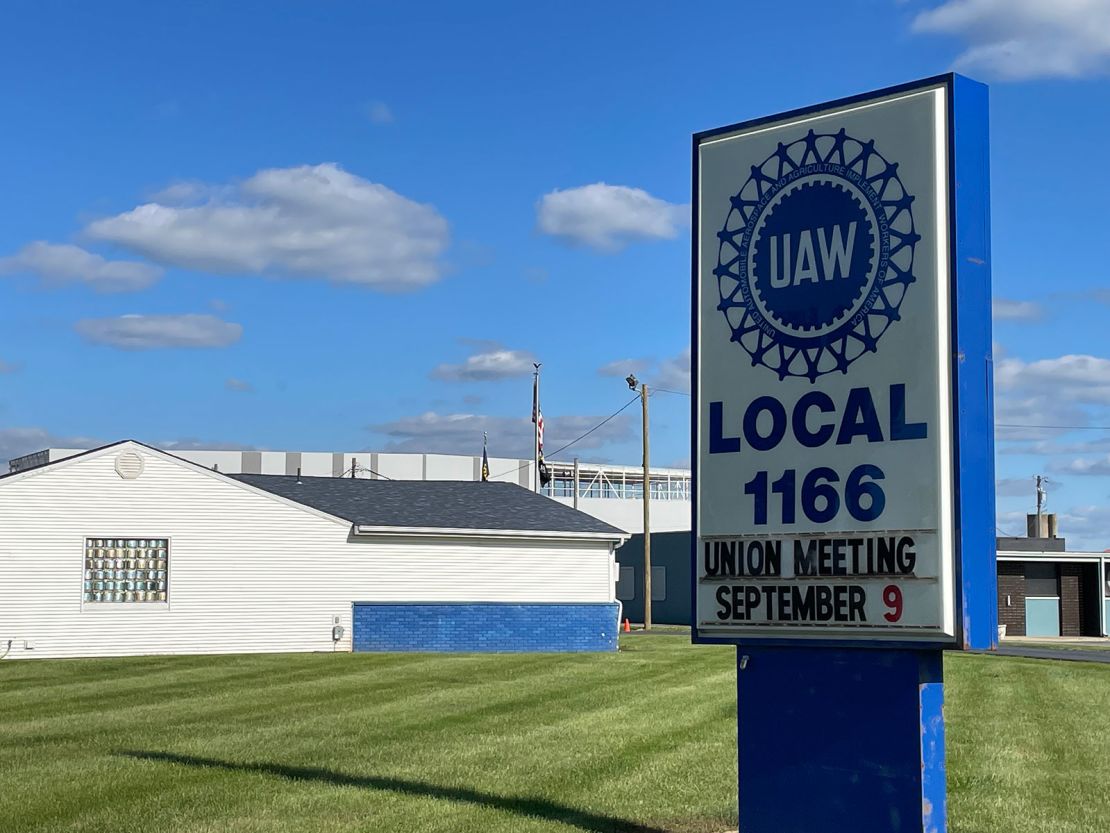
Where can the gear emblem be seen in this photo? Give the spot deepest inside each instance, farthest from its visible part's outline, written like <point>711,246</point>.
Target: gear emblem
<point>816,255</point>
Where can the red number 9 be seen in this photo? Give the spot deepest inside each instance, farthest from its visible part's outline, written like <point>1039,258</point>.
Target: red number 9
<point>892,597</point>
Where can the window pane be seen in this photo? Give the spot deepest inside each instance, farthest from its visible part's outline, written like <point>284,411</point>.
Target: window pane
<point>658,584</point>
<point>626,585</point>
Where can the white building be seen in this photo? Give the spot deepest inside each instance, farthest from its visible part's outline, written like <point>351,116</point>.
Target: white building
<point>126,550</point>
<point>613,494</point>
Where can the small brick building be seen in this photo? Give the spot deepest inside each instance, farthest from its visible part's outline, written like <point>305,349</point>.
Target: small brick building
<point>1045,590</point>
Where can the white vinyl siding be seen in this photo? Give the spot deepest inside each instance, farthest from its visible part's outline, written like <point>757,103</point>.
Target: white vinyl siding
<point>249,572</point>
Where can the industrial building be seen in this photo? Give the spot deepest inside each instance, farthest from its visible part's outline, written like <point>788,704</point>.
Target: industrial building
<point>1043,588</point>
<point>613,494</point>
<point>671,578</point>
<point>127,549</point>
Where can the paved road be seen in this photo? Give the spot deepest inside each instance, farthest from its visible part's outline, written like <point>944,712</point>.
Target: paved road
<point>1072,655</point>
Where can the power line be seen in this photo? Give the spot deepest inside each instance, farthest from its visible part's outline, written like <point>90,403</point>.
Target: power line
<point>356,467</point>
<point>1055,427</point>
<point>611,416</point>
<point>668,390</point>
<point>686,393</point>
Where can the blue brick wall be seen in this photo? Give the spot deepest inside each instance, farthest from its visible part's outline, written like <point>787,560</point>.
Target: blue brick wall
<point>484,627</point>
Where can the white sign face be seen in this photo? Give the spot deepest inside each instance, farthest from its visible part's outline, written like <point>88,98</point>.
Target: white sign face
<point>824,470</point>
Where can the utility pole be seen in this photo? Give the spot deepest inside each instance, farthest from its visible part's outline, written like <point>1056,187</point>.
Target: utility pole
<point>1040,505</point>
<point>633,383</point>
<point>647,513</point>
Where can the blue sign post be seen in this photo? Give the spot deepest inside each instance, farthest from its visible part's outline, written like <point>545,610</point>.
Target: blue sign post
<point>843,444</point>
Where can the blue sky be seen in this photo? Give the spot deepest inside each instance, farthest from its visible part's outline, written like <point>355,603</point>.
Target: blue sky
<point>355,225</point>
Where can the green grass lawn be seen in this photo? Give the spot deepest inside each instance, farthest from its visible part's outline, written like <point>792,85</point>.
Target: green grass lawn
<point>640,741</point>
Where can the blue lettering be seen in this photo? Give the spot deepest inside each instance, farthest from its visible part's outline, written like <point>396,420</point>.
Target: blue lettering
<point>899,428</point>
<point>860,418</point>
<point>857,417</point>
<point>718,442</point>
<point>822,402</point>
<point>751,422</point>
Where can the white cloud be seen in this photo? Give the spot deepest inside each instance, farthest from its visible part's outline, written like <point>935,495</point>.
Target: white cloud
<point>1010,524</point>
<point>188,192</point>
<point>146,332</point>
<point>492,362</point>
<point>309,221</point>
<point>58,264</point>
<point>1057,447</point>
<point>239,386</point>
<point>508,436</point>
<point>1051,393</point>
<point>1005,309</point>
<point>608,217</point>
<point>1086,527</point>
<point>1014,487</point>
<point>1072,378</point>
<point>622,367</point>
<point>1097,466</point>
<point>379,113</point>
<point>674,373</point>
<point>1020,39</point>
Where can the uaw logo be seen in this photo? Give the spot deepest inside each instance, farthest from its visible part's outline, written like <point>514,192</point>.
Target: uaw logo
<point>816,255</point>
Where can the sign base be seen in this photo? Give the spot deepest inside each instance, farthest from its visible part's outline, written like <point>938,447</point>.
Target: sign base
<point>838,740</point>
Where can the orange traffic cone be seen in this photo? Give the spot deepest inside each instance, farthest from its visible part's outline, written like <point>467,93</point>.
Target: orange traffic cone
<point>627,626</point>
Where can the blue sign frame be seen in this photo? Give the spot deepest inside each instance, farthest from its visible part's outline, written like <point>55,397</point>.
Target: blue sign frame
<point>972,398</point>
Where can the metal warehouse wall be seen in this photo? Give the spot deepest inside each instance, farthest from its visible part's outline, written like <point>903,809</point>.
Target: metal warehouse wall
<point>628,513</point>
<point>670,561</point>
<point>247,572</point>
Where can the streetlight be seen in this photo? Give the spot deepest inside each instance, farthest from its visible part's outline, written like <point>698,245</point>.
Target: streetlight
<point>632,383</point>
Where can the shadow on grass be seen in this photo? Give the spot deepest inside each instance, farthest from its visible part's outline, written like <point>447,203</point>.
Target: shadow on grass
<point>536,807</point>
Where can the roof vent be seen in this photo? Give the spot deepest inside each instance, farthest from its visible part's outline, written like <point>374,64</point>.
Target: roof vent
<point>129,465</point>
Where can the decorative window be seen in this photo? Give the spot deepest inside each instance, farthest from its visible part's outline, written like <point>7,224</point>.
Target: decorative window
<point>128,570</point>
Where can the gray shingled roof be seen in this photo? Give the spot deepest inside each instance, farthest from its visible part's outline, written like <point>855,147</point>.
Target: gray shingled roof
<point>438,504</point>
